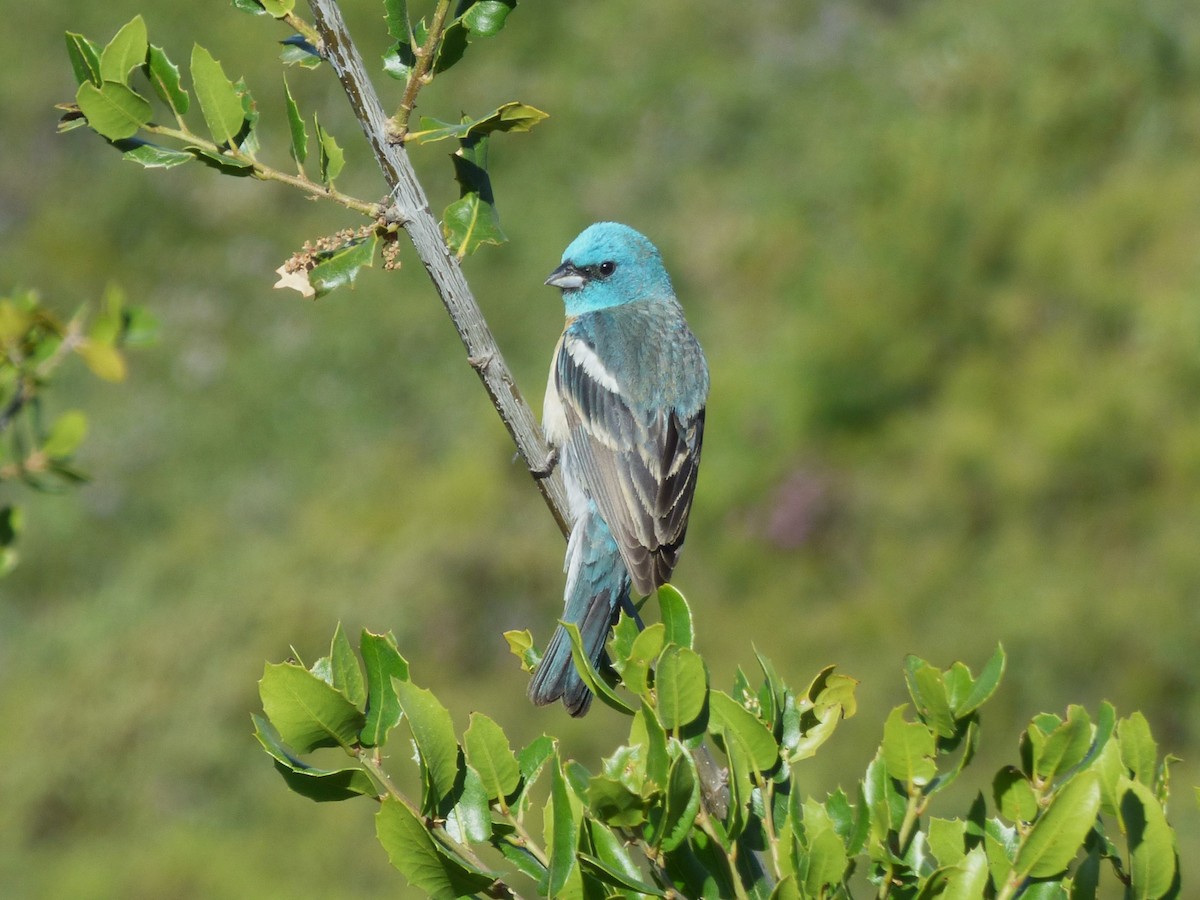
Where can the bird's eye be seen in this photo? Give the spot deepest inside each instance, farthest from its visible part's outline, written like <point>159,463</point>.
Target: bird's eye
<point>607,268</point>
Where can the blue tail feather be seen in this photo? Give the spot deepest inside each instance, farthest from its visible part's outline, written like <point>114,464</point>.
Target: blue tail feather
<point>597,583</point>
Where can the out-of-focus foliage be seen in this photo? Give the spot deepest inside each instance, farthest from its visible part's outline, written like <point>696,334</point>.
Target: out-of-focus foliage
<point>37,444</point>
<point>942,257</point>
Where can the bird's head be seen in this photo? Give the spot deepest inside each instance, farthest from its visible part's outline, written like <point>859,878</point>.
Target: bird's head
<point>607,265</point>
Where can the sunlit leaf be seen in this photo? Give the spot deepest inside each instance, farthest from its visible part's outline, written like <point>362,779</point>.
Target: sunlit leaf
<point>486,17</point>
<point>341,267</point>
<point>125,52</point>
<point>520,644</point>
<point>1057,835</point>
<point>411,849</point>
<point>113,110</point>
<point>307,712</point>
<point>433,732</point>
<point>908,750</point>
<point>219,98</point>
<point>331,156</point>
<point>164,78</point>
<point>489,753</point>
<point>1151,843</point>
<point>676,616</point>
<point>382,662</point>
<point>512,116</point>
<point>296,127</point>
<point>347,676</point>
<point>681,687</point>
<point>85,58</point>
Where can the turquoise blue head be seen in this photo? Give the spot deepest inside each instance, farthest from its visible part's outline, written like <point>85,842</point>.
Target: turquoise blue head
<point>607,265</point>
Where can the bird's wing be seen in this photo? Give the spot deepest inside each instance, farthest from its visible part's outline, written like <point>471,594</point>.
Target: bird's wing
<point>638,465</point>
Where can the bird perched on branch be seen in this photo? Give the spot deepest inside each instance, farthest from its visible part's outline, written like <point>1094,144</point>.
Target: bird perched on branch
<point>624,411</point>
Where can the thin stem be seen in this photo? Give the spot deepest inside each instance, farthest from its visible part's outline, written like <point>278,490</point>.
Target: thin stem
<point>419,76</point>
<point>411,210</point>
<point>309,33</point>
<point>263,172</point>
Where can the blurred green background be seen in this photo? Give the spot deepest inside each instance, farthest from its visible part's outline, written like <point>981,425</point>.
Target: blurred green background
<point>944,257</point>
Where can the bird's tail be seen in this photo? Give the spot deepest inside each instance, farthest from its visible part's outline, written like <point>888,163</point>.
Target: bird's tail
<point>597,582</point>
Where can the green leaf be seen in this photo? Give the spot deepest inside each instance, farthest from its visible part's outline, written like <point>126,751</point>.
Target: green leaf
<point>307,712</point>
<point>977,692</point>
<point>928,691</point>
<point>113,110</point>
<point>164,78</point>
<point>451,47</point>
<point>1139,752</point>
<point>520,644</point>
<point>219,98</point>
<point>610,874</point>
<point>489,753</point>
<point>1066,745</point>
<point>104,360</point>
<point>968,879</point>
<point>472,220</point>
<point>735,722</point>
<point>331,157</point>
<point>826,859</point>
<point>66,434</point>
<point>347,676</point>
<point>612,863</point>
<point>152,156</point>
<point>383,662</point>
<point>1151,842</point>
<point>485,18</point>
<point>125,52</point>
<point>908,750</point>
<point>297,51</point>
<point>321,785</point>
<point>590,676</point>
<point>85,58</point>
<point>562,824</point>
<point>278,8</point>
<point>682,804</point>
<point>433,731</point>
<point>513,116</point>
<point>1014,795</point>
<point>614,803</point>
<point>340,267</point>
<point>658,760</point>
<point>646,648</point>
<point>676,615</point>
<point>398,61</point>
<point>395,13</point>
<point>296,126</point>
<point>411,849</point>
<point>470,820</point>
<point>253,7</point>
<point>947,840</point>
<point>1057,835</point>
<point>681,687</point>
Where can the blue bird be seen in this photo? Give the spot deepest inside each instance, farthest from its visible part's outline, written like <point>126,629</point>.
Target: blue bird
<point>624,411</point>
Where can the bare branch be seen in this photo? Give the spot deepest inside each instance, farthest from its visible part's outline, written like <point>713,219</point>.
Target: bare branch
<point>411,210</point>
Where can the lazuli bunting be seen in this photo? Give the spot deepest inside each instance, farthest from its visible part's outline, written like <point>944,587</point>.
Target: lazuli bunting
<point>624,411</point>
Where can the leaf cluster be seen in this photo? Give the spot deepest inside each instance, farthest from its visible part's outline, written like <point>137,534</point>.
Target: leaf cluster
<point>120,83</point>
<point>37,449</point>
<point>702,798</point>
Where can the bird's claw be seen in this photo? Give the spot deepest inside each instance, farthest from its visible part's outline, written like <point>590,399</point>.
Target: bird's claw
<point>547,468</point>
